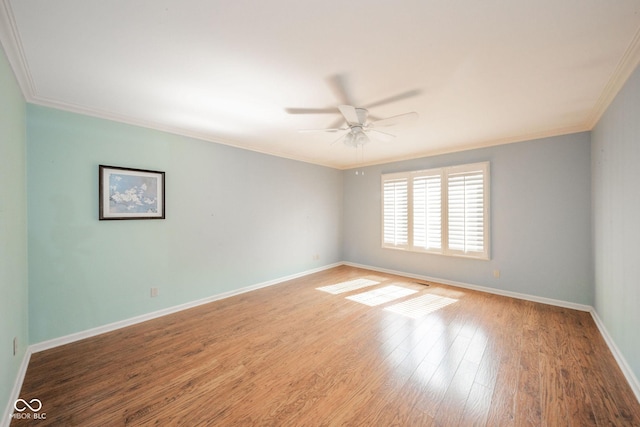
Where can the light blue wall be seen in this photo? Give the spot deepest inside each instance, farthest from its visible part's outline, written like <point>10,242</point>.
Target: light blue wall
<point>235,218</point>
<point>540,220</point>
<point>13,230</point>
<point>616,220</point>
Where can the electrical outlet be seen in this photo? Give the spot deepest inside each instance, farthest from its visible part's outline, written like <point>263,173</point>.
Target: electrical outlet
<point>496,273</point>
<point>154,292</point>
<point>15,345</point>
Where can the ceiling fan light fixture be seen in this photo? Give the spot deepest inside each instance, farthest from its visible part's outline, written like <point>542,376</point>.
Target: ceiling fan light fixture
<point>349,139</point>
<point>356,137</point>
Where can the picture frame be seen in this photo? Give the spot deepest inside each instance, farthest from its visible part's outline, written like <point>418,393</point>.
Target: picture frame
<point>128,193</point>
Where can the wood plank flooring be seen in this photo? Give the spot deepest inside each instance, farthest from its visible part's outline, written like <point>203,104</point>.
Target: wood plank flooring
<point>293,355</point>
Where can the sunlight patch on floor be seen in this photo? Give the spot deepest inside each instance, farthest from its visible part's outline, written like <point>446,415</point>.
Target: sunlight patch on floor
<point>350,285</point>
<point>381,295</point>
<point>421,306</point>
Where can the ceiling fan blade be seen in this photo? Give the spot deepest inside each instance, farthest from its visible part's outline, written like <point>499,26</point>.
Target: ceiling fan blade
<point>383,133</point>
<point>340,87</point>
<point>350,114</point>
<point>338,123</point>
<point>320,130</point>
<point>394,120</point>
<point>339,138</point>
<point>398,97</point>
<point>311,110</point>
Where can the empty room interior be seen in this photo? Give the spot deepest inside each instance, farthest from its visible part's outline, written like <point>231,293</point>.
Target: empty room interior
<point>328,213</point>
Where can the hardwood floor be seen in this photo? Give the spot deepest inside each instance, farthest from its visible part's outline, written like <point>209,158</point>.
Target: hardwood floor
<point>294,355</point>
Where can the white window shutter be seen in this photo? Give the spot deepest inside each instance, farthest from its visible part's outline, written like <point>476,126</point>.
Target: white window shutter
<point>396,212</point>
<point>427,212</point>
<point>466,212</point>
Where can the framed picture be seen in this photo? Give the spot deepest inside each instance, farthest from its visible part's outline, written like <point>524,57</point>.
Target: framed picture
<point>127,193</point>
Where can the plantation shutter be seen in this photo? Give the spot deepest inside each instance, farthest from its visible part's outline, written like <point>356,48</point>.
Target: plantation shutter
<point>466,211</point>
<point>427,211</point>
<point>439,211</point>
<point>396,212</point>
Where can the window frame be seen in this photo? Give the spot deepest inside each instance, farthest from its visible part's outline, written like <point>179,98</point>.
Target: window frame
<point>445,174</point>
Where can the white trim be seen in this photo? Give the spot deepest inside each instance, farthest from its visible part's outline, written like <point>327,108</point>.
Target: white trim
<point>406,181</point>
<point>45,345</point>
<point>617,354</point>
<point>49,344</point>
<point>77,336</point>
<point>518,295</point>
<point>15,391</point>
<point>626,66</point>
<point>12,44</point>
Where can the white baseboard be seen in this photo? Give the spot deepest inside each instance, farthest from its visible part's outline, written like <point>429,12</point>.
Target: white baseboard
<point>622,362</point>
<point>15,392</point>
<point>77,336</point>
<point>45,345</point>
<point>527,297</point>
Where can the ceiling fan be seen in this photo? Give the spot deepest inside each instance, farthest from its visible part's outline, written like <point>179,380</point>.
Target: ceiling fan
<point>356,120</point>
<point>358,125</point>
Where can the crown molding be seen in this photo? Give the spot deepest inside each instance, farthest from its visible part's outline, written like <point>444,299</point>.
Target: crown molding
<point>531,136</point>
<point>11,42</point>
<point>106,115</point>
<point>12,45</point>
<point>175,130</point>
<point>627,65</point>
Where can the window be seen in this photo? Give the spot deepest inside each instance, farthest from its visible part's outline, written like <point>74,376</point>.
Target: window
<point>444,211</point>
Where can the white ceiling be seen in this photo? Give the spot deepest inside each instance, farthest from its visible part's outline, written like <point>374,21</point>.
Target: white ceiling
<point>488,72</point>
